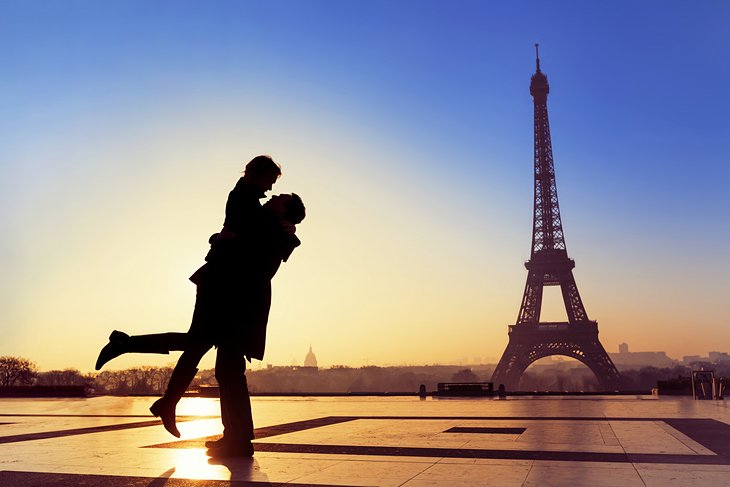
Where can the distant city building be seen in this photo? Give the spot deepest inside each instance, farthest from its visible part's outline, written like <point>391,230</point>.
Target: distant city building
<point>714,357</point>
<point>624,358</point>
<point>688,359</point>
<point>719,357</point>
<point>310,360</point>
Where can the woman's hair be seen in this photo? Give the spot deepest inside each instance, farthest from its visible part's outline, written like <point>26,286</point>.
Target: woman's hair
<point>294,210</point>
<point>261,165</point>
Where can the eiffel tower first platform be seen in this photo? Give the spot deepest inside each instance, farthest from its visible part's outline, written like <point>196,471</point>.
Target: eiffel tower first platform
<point>549,265</point>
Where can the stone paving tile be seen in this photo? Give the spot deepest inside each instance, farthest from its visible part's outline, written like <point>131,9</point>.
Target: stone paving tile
<point>576,434</point>
<point>365,473</point>
<point>607,434</point>
<point>343,457</point>
<point>251,469</point>
<point>648,437</point>
<point>673,466</point>
<point>496,461</point>
<point>481,474</point>
<point>568,465</point>
<point>677,475</point>
<point>685,440</point>
<point>564,445</point>
<point>588,476</point>
<point>453,483</point>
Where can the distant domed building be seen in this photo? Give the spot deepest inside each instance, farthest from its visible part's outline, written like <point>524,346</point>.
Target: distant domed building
<point>310,360</point>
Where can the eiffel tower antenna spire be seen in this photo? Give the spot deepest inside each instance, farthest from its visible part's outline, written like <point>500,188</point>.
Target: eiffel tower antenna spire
<point>537,57</point>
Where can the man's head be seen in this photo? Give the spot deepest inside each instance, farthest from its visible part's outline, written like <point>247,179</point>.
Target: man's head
<point>262,172</point>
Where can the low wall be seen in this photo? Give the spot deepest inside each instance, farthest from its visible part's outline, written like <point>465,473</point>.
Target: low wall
<point>43,391</point>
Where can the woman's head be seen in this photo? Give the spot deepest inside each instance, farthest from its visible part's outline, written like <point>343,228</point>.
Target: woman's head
<point>288,207</point>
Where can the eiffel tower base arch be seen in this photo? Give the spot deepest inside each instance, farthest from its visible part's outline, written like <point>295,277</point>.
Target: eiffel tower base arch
<point>531,342</point>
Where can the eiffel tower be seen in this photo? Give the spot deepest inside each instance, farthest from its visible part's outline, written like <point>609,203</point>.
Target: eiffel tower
<point>549,265</point>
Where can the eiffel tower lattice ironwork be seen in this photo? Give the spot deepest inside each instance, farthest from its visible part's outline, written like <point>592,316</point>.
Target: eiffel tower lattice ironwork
<point>549,265</point>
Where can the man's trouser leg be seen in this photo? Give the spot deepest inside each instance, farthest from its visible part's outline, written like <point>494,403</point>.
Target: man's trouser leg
<point>230,368</point>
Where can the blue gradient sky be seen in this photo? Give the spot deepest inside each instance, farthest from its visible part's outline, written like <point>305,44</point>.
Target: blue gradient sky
<point>407,129</point>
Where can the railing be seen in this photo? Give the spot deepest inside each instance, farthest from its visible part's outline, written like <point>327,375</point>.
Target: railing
<point>465,389</point>
<point>44,391</point>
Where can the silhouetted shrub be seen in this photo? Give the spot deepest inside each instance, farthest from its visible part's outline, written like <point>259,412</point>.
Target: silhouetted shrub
<point>17,371</point>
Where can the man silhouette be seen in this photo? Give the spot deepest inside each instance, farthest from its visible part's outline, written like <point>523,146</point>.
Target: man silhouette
<point>234,294</point>
<point>232,305</point>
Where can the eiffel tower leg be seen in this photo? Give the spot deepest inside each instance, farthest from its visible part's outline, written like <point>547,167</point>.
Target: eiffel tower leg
<point>510,366</point>
<point>530,343</point>
<point>571,298</point>
<point>601,364</point>
<point>531,300</point>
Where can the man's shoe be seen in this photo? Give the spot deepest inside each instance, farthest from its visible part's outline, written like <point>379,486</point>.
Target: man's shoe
<point>117,345</point>
<point>227,450</point>
<point>216,443</point>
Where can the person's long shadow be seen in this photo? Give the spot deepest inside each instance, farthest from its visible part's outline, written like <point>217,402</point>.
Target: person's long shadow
<point>161,481</point>
<point>244,470</point>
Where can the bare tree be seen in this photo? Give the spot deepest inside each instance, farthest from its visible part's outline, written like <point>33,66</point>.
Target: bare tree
<point>139,380</point>
<point>67,377</point>
<point>16,371</point>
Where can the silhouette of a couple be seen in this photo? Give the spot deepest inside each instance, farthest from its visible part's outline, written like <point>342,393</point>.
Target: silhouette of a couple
<point>231,305</point>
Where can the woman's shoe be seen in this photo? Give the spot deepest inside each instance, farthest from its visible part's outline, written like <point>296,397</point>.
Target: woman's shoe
<point>165,406</point>
<point>164,409</point>
<point>118,344</point>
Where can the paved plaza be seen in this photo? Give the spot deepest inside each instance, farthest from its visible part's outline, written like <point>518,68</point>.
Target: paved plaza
<point>357,441</point>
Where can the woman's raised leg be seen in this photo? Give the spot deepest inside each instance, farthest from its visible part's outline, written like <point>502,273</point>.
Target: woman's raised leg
<point>121,343</point>
<point>181,377</point>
